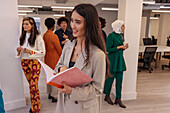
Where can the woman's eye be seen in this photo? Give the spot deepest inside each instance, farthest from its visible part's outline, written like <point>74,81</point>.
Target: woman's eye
<point>78,22</point>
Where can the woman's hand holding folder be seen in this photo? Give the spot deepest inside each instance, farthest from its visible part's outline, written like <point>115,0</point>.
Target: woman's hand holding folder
<point>66,90</point>
<point>63,68</point>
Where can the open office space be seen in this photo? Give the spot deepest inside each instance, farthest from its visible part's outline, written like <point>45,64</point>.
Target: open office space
<point>142,92</point>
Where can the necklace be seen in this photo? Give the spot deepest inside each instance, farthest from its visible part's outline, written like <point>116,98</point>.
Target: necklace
<point>77,51</point>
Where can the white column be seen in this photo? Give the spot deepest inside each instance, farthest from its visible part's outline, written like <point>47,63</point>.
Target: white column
<point>132,17</point>
<point>11,78</point>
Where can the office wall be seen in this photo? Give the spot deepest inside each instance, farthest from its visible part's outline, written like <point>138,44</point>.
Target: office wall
<point>147,13</point>
<point>110,17</point>
<point>11,78</point>
<point>160,28</point>
<point>164,26</point>
<point>154,28</point>
<point>143,30</point>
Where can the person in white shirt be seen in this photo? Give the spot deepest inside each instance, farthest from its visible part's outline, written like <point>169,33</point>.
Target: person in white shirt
<point>30,50</point>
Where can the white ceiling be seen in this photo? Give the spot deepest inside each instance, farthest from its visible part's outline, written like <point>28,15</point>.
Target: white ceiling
<point>75,2</point>
<point>110,1</point>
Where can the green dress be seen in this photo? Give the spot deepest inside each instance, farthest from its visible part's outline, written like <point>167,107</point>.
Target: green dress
<point>117,63</point>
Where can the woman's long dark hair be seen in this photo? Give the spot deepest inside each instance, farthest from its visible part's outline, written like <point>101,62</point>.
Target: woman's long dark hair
<point>93,33</point>
<point>34,32</point>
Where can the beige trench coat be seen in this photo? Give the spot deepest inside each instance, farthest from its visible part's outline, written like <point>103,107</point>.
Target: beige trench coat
<point>86,98</point>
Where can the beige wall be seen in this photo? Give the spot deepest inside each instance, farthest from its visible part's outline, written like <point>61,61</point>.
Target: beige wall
<point>110,17</point>
<point>154,28</point>
<point>143,30</point>
<point>160,28</point>
<point>164,28</point>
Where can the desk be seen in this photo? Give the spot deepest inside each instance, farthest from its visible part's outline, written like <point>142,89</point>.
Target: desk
<point>159,50</point>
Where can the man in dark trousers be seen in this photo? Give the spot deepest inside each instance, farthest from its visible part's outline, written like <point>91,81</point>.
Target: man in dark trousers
<point>63,33</point>
<point>53,52</point>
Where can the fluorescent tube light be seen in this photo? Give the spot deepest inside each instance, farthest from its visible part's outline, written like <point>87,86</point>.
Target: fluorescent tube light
<point>29,6</point>
<point>164,7</point>
<point>148,2</point>
<point>22,14</point>
<point>110,9</point>
<point>161,11</point>
<point>154,18</point>
<point>62,7</point>
<point>59,15</point>
<point>24,11</point>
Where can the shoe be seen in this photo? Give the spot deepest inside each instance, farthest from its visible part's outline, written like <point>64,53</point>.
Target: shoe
<point>108,100</point>
<point>49,96</point>
<point>54,100</point>
<point>118,101</point>
<point>30,111</point>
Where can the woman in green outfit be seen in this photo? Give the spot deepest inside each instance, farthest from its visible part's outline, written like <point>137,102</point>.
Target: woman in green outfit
<point>115,47</point>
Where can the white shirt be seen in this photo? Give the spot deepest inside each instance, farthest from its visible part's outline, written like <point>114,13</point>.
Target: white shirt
<point>38,49</point>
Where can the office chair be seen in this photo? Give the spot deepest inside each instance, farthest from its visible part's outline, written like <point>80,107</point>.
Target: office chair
<point>166,56</point>
<point>154,41</point>
<point>147,59</point>
<point>147,41</point>
<point>168,41</point>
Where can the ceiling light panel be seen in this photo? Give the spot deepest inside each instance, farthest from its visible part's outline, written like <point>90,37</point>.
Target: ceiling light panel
<point>22,14</point>
<point>165,7</point>
<point>29,6</point>
<point>148,2</point>
<point>24,11</point>
<point>154,18</point>
<point>110,9</point>
<point>161,11</point>
<point>59,15</point>
<point>61,7</point>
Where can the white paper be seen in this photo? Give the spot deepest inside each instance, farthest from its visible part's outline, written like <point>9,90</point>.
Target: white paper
<point>48,71</point>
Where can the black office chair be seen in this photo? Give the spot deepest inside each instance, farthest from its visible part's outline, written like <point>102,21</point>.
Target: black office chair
<point>147,41</point>
<point>167,54</point>
<point>147,59</point>
<point>166,57</point>
<point>154,41</point>
<point>168,41</point>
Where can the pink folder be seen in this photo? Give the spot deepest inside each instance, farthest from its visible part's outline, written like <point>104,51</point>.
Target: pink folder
<point>73,77</point>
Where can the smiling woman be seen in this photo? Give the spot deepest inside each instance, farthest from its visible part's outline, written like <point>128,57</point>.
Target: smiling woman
<point>85,51</point>
<point>77,25</point>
